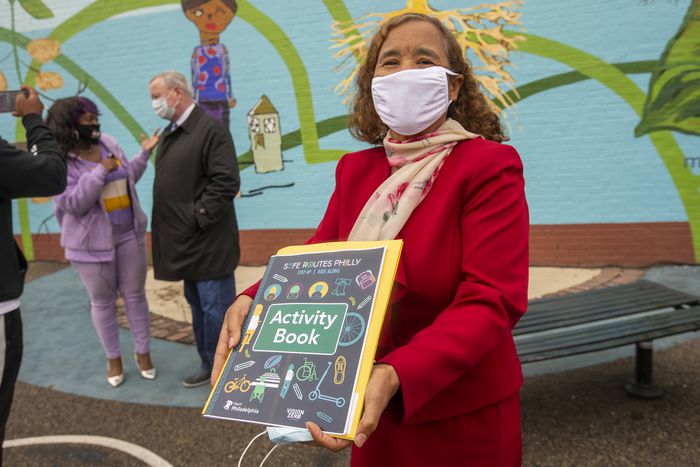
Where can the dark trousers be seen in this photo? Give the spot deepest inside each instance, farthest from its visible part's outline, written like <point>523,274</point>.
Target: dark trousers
<point>209,301</point>
<point>11,346</point>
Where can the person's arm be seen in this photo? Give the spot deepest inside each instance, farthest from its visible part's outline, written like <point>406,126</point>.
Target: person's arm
<point>82,192</point>
<point>39,172</point>
<point>136,164</point>
<point>223,179</point>
<point>139,163</point>
<point>492,295</point>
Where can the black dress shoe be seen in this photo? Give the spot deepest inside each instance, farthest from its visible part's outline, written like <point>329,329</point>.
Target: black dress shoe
<point>200,378</point>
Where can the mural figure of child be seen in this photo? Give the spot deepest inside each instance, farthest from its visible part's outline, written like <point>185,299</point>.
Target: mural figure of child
<point>211,77</point>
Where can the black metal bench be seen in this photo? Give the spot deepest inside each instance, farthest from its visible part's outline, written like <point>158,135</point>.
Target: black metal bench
<point>606,318</point>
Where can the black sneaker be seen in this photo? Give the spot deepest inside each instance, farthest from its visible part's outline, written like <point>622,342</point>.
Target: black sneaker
<point>200,378</point>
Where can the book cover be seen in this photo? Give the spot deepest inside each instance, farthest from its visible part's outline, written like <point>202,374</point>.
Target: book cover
<point>308,344</point>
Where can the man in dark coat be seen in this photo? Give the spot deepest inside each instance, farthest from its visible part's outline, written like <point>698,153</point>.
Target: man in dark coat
<point>39,172</point>
<point>194,228</point>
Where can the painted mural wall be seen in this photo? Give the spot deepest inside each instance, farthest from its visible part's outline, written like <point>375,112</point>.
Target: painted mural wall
<point>602,100</point>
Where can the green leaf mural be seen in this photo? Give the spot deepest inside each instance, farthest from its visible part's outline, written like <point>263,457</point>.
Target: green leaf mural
<point>673,101</point>
<point>36,8</point>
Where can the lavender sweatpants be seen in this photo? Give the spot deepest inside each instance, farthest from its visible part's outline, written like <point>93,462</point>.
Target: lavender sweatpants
<point>125,275</point>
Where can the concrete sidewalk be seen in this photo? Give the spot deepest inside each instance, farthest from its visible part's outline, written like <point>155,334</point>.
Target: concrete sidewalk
<point>62,351</point>
<point>166,298</point>
<point>570,417</point>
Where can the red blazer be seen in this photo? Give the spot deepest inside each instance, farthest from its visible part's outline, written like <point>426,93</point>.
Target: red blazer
<point>462,281</point>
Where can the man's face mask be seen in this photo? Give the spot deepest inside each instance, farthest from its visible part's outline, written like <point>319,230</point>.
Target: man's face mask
<point>410,101</point>
<point>89,133</point>
<point>161,107</point>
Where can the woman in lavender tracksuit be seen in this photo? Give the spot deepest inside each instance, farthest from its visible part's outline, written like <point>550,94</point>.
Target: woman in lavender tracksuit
<point>103,228</point>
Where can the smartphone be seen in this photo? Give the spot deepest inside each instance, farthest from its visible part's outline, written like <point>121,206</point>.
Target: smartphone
<point>8,99</point>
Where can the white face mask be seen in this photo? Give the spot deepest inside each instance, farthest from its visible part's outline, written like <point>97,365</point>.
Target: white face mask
<point>161,107</point>
<point>410,101</point>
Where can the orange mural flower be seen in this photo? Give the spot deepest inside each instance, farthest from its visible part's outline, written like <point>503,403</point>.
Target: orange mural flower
<point>47,80</point>
<point>44,50</point>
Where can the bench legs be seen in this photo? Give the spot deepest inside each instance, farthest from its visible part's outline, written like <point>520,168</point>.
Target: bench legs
<point>643,385</point>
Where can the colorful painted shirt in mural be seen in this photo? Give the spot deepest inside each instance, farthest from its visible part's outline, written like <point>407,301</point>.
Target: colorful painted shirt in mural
<point>115,196</point>
<point>211,76</point>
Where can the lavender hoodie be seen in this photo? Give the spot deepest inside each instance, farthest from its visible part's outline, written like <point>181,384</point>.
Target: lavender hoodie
<point>86,231</point>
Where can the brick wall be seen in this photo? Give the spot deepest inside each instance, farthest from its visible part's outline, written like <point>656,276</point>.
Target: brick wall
<point>258,245</point>
<point>586,245</point>
<point>629,244</point>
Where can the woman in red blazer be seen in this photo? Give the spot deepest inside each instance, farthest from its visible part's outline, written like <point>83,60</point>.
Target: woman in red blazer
<point>445,389</point>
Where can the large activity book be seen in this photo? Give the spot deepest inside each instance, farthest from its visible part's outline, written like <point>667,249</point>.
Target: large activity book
<point>308,344</point>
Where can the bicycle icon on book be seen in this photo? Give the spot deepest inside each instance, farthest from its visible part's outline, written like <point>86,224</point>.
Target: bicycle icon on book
<point>242,384</point>
<point>353,329</point>
<point>316,393</point>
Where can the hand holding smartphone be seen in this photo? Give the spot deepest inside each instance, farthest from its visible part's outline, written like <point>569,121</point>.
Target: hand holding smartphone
<point>22,102</point>
<point>8,101</point>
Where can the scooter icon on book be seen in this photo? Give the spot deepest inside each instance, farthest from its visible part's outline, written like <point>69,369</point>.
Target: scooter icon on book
<point>316,393</point>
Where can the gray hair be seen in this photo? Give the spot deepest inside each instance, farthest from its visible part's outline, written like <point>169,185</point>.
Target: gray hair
<point>173,79</point>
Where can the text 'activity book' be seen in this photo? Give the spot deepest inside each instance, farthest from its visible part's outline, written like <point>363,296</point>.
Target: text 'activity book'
<point>308,344</point>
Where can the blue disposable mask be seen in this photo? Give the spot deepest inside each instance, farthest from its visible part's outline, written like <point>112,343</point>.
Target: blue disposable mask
<point>279,435</point>
<point>286,435</point>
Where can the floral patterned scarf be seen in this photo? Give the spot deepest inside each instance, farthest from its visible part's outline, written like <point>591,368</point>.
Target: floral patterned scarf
<point>419,161</point>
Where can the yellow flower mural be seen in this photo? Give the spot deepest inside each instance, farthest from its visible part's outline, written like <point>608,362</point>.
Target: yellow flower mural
<point>479,30</point>
<point>3,82</point>
<point>44,50</point>
<point>47,80</point>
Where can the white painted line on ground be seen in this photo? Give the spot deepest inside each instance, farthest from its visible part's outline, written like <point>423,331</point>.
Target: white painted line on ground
<point>141,453</point>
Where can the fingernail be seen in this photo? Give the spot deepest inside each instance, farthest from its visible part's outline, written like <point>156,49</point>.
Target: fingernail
<point>360,440</point>
<point>230,342</point>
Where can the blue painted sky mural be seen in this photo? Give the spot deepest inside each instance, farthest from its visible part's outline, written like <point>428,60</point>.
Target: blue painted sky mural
<point>583,162</point>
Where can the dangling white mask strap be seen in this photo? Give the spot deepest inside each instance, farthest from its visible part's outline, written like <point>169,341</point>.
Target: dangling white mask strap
<point>250,443</point>
<point>279,435</point>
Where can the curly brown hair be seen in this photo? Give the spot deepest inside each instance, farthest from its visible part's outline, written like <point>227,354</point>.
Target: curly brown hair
<point>471,108</point>
<point>62,119</point>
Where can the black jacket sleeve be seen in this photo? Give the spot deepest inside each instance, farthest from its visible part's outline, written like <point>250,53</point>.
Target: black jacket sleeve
<point>221,166</point>
<point>39,172</point>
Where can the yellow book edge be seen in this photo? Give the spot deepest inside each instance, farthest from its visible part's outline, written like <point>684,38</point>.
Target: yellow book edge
<point>390,265</point>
